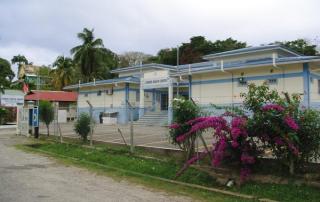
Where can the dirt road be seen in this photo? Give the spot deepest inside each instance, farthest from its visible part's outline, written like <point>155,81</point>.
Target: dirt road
<point>26,177</point>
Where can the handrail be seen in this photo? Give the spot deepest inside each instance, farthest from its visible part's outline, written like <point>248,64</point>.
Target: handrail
<point>129,104</point>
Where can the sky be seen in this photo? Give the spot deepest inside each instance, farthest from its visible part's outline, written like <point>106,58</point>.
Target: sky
<point>43,29</point>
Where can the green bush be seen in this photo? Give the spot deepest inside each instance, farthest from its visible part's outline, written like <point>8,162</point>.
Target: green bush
<point>183,111</point>
<point>46,113</point>
<point>3,114</point>
<point>82,126</point>
<point>274,127</point>
<point>309,134</point>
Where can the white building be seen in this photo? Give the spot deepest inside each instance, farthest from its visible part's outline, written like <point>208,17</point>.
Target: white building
<point>219,80</point>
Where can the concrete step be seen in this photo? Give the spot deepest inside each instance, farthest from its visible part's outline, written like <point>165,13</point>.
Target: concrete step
<point>153,118</point>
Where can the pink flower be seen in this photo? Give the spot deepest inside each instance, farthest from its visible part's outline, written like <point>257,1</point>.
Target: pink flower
<point>235,133</point>
<point>293,149</point>
<point>246,159</point>
<point>219,151</point>
<point>234,144</point>
<point>275,107</point>
<point>238,122</point>
<point>278,141</point>
<point>291,123</point>
<point>216,122</point>
<point>174,126</point>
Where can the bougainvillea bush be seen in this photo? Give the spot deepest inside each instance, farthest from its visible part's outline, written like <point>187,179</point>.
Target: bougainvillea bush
<point>272,122</point>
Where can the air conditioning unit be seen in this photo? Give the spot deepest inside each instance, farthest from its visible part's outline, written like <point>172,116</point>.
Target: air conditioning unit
<point>109,91</point>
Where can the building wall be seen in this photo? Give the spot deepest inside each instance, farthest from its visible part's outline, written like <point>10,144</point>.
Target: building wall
<point>314,86</point>
<point>218,88</point>
<point>105,102</point>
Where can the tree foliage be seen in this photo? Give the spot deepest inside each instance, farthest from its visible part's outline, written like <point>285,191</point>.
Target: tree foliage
<point>132,58</point>
<point>193,51</point>
<point>301,46</point>
<point>92,57</point>
<point>63,74</point>
<point>6,73</point>
<point>20,60</point>
<point>46,113</point>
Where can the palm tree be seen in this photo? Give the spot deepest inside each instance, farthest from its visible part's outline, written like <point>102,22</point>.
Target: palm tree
<point>89,56</point>
<point>19,59</point>
<point>64,72</point>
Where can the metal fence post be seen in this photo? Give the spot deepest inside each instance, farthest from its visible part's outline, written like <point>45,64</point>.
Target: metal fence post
<point>131,125</point>
<point>131,132</point>
<point>91,122</point>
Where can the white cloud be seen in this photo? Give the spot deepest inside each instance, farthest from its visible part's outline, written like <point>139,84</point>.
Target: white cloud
<point>37,55</point>
<point>43,29</point>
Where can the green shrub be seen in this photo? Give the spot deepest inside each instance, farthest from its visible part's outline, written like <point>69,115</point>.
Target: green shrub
<point>309,134</point>
<point>183,111</point>
<point>46,113</point>
<point>3,114</point>
<point>82,126</point>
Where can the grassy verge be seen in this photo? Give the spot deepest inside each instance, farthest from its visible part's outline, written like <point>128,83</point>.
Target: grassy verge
<point>166,168</point>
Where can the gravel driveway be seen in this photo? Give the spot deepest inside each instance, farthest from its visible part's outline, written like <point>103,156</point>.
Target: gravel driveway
<point>26,177</point>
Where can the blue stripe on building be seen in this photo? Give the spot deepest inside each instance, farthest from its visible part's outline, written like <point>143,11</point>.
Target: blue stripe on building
<point>251,78</point>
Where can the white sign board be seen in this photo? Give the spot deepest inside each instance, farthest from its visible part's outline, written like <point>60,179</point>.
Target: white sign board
<point>62,116</point>
<point>11,100</point>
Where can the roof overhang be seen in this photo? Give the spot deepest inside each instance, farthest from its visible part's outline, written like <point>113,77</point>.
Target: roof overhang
<point>104,82</point>
<point>210,68</point>
<point>244,51</point>
<point>144,66</point>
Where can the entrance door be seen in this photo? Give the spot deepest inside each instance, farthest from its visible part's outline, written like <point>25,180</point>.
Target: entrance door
<point>164,101</point>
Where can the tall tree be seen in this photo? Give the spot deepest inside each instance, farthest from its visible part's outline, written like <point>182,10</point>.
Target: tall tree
<point>167,56</point>
<point>301,46</point>
<point>20,60</point>
<point>196,48</point>
<point>6,73</point>
<point>63,73</point>
<point>109,62</point>
<point>46,113</point>
<point>90,55</point>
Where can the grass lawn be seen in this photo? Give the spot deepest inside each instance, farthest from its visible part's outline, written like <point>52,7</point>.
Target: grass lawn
<point>165,167</point>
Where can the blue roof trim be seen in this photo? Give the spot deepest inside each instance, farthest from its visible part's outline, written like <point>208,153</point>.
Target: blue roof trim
<point>212,66</point>
<point>137,67</point>
<point>129,79</point>
<point>251,50</point>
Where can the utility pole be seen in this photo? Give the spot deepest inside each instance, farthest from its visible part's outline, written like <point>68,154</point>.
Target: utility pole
<point>178,69</point>
<point>36,111</point>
